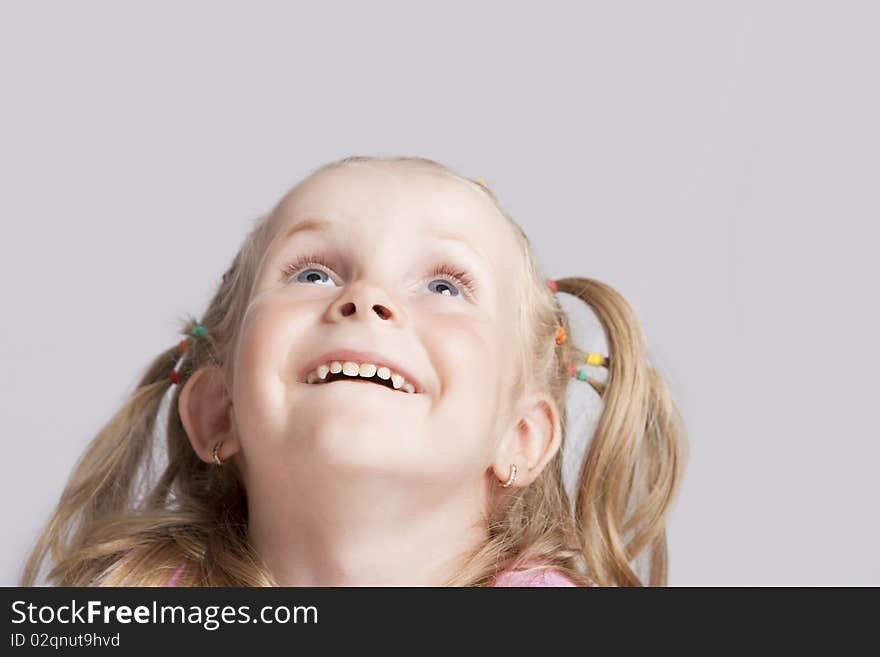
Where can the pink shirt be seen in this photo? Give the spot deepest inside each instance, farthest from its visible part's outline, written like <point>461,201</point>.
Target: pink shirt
<point>551,577</point>
<point>508,578</point>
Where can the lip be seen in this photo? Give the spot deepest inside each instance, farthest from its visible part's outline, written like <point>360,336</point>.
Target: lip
<point>358,356</point>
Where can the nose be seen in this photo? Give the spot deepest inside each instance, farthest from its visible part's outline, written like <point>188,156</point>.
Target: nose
<point>365,298</point>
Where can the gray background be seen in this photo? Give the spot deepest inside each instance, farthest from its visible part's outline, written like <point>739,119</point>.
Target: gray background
<point>715,162</point>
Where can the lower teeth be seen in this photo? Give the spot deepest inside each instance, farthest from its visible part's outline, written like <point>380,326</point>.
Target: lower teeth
<point>331,378</point>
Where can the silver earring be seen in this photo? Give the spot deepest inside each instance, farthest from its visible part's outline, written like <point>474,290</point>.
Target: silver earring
<point>510,481</point>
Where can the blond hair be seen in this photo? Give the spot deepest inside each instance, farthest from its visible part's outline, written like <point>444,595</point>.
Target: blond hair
<point>116,524</point>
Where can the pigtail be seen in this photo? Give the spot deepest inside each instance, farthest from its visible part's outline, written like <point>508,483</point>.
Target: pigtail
<point>636,458</point>
<point>117,524</point>
<point>102,483</point>
<point>114,527</point>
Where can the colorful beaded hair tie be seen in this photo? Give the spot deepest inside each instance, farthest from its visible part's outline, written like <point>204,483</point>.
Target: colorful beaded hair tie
<point>184,344</point>
<point>593,359</point>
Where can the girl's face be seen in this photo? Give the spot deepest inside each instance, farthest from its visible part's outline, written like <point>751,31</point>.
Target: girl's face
<point>369,240</point>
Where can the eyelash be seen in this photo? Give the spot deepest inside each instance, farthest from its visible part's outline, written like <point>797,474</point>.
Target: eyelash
<point>458,276</point>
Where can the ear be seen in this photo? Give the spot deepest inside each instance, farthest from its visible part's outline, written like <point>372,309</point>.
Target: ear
<point>531,441</point>
<point>207,414</point>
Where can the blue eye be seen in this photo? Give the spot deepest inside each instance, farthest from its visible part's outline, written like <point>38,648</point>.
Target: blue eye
<point>311,269</point>
<point>458,276</point>
<point>446,284</point>
<point>298,267</point>
<point>313,275</point>
<point>452,276</point>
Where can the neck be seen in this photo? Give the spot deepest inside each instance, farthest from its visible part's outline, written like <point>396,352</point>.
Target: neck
<point>360,533</point>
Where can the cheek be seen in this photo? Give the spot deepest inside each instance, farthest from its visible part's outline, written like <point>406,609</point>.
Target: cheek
<point>468,360</point>
<point>257,395</point>
<point>464,351</point>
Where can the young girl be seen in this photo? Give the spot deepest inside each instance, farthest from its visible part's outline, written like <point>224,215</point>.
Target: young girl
<point>442,465</point>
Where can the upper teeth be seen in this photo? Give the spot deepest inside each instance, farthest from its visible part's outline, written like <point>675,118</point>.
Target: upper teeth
<point>366,370</point>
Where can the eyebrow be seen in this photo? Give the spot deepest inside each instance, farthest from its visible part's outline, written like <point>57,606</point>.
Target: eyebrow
<point>322,225</point>
<point>452,237</point>
<point>307,225</point>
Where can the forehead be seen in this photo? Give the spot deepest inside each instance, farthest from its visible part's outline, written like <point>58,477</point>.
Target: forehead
<point>388,200</point>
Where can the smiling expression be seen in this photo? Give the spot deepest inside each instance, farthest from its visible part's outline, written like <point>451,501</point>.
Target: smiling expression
<point>390,265</point>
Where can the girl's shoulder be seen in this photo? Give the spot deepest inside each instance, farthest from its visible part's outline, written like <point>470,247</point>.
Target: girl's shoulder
<point>543,577</point>
<point>507,578</point>
<point>175,578</point>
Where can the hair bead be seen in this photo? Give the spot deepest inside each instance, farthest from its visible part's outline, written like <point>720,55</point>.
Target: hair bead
<point>184,345</point>
<point>597,360</point>
<point>560,335</point>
